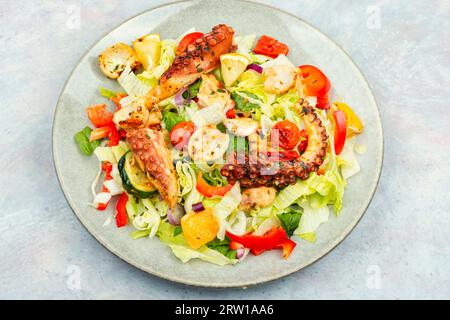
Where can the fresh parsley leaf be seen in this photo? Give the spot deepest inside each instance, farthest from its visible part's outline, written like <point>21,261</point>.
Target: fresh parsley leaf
<point>223,246</point>
<point>82,139</point>
<point>170,119</point>
<point>290,219</point>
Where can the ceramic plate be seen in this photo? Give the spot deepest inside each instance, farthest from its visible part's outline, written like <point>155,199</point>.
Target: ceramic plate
<point>307,46</point>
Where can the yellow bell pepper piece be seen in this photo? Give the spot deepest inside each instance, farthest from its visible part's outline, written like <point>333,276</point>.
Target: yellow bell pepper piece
<point>354,125</point>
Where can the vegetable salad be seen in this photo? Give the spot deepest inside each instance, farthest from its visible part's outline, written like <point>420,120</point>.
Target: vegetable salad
<point>254,91</point>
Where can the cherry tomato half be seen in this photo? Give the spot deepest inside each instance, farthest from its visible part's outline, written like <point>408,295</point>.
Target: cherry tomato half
<point>231,114</point>
<point>315,83</point>
<point>181,133</point>
<point>187,40</point>
<point>288,134</point>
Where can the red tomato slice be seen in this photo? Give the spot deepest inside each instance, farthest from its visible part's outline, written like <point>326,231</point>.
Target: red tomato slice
<point>315,83</point>
<point>99,116</point>
<point>187,40</point>
<point>181,133</point>
<point>340,130</point>
<point>323,102</point>
<point>270,47</point>
<point>288,134</point>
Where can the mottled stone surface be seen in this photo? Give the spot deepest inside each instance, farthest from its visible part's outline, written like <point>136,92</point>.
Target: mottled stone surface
<point>404,236</point>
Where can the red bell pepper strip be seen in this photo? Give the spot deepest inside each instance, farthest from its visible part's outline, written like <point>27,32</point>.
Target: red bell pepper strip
<point>275,238</point>
<point>209,191</point>
<point>340,130</point>
<point>109,131</point>
<point>121,211</point>
<point>107,167</point>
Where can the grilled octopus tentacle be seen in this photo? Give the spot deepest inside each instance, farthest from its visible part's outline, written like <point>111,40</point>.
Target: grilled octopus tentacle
<point>261,172</point>
<point>153,156</point>
<point>200,57</point>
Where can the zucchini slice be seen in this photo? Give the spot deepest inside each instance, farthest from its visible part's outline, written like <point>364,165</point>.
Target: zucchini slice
<point>134,180</point>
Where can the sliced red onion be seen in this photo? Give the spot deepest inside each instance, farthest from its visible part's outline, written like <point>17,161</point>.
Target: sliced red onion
<point>178,98</point>
<point>240,253</point>
<point>160,197</point>
<point>197,207</point>
<point>174,215</point>
<point>255,67</point>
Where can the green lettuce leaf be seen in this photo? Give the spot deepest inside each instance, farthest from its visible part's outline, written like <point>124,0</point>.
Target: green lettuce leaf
<point>223,246</point>
<point>166,234</point>
<point>82,140</point>
<point>170,119</point>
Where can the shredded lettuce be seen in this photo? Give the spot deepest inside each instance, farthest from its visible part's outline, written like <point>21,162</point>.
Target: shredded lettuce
<point>131,83</point>
<point>183,252</point>
<point>168,47</point>
<point>145,215</point>
<point>111,154</point>
<point>311,219</point>
<point>259,58</point>
<point>213,114</point>
<point>347,160</point>
<point>245,44</point>
<point>193,196</point>
<point>186,178</point>
<point>267,225</point>
<point>237,224</point>
<point>225,208</point>
<point>291,193</point>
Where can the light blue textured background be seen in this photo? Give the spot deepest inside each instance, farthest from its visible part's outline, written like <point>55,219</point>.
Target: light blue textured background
<point>404,234</point>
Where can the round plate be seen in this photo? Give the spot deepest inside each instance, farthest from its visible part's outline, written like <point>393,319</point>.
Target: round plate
<point>307,46</point>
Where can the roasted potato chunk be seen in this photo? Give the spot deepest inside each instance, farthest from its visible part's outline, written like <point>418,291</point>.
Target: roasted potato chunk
<point>255,198</point>
<point>114,59</point>
<point>199,228</point>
